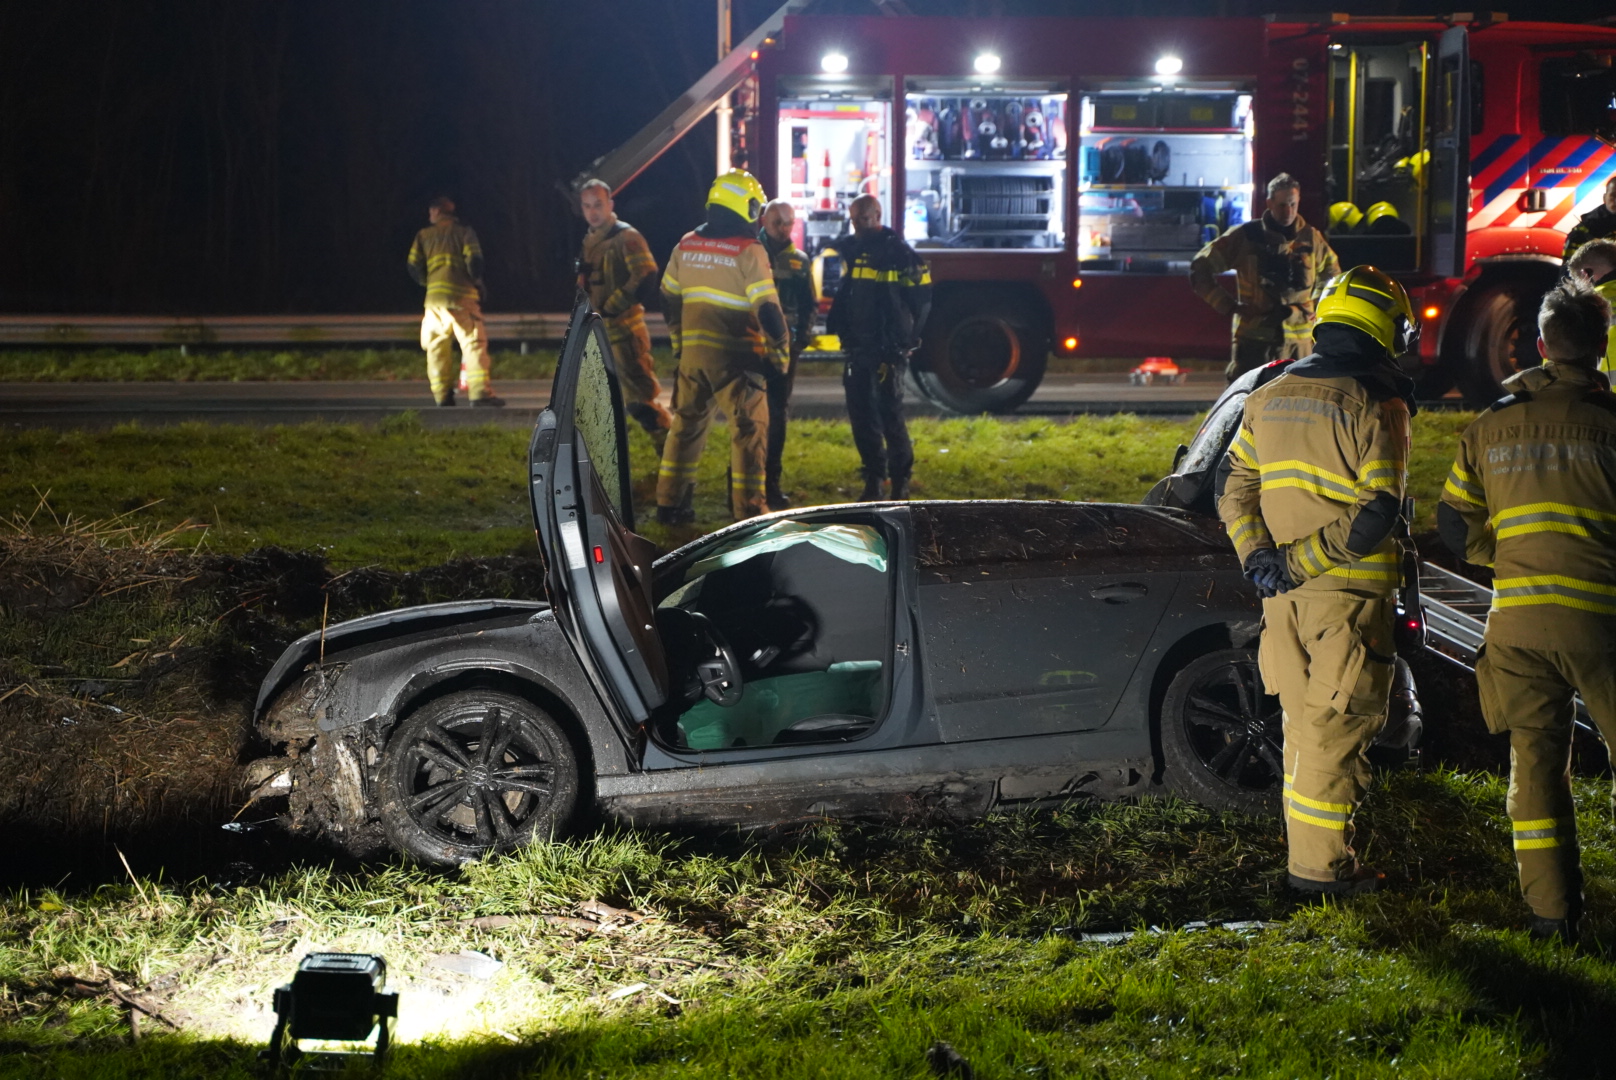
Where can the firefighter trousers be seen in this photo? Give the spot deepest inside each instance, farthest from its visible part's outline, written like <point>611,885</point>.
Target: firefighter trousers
<point>1330,658</point>
<point>705,382</point>
<point>441,327</point>
<point>779,394</point>
<point>636,372</point>
<point>1248,353</point>
<point>874,386</point>
<point>1528,693</point>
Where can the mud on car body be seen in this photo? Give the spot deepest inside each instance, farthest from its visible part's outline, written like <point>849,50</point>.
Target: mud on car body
<point>897,661</point>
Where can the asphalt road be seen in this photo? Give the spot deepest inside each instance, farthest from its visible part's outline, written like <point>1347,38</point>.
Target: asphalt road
<point>104,405</point>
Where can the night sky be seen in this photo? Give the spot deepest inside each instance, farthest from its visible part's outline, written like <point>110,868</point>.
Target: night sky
<point>199,156</point>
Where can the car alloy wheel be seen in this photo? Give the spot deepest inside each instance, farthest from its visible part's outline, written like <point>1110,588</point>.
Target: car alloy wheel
<point>1222,737</point>
<point>476,772</point>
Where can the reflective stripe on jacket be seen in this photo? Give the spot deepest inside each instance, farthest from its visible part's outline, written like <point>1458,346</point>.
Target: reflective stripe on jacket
<point>1535,481</point>
<point>1309,455</point>
<point>884,294</point>
<point>712,292</point>
<point>448,260</point>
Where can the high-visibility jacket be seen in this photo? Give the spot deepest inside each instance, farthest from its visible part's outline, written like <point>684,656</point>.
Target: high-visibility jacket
<point>1607,289</point>
<point>1279,276</point>
<point>448,260</point>
<point>884,294</point>
<point>1532,493</point>
<point>1596,224</point>
<point>794,280</point>
<point>715,292</point>
<point>616,262</point>
<point>1310,455</point>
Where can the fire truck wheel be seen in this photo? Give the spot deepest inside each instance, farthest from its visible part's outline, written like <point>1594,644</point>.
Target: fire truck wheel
<point>1500,337</point>
<point>983,354</point>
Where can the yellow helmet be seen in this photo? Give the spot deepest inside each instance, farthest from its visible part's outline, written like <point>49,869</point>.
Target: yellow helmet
<point>1373,302</point>
<point>1344,216</point>
<point>1378,211</point>
<point>738,190</point>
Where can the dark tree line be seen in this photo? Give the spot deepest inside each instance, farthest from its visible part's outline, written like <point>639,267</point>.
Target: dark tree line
<point>206,156</point>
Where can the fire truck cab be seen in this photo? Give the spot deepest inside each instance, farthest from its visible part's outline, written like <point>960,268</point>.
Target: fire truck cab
<point>1059,174</point>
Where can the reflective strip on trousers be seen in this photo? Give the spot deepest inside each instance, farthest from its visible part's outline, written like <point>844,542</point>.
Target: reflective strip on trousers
<point>1544,833</point>
<point>1326,815</point>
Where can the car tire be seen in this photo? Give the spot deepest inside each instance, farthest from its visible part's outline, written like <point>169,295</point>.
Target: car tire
<point>1500,335</point>
<point>982,354</point>
<point>1222,738</point>
<point>442,802</point>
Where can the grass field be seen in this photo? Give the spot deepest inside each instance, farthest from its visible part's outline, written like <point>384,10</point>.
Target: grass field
<point>839,951</point>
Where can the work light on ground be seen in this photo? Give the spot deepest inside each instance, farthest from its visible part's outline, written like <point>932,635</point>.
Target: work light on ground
<point>337,997</point>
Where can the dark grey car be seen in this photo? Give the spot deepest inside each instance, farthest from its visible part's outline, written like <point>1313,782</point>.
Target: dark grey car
<point>901,660</point>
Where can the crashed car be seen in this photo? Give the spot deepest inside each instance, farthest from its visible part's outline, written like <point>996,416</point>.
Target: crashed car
<point>906,661</point>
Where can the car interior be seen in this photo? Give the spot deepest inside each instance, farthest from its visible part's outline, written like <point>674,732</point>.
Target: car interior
<point>777,638</point>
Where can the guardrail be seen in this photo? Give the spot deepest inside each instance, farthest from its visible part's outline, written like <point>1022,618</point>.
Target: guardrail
<point>402,329</point>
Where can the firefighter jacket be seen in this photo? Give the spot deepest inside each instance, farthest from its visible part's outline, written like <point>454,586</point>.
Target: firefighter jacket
<point>1596,224</point>
<point>1532,494</point>
<point>448,260</point>
<point>718,294</point>
<point>1319,465</point>
<point>616,264</point>
<point>884,294</point>
<point>795,281</point>
<point>1279,273</point>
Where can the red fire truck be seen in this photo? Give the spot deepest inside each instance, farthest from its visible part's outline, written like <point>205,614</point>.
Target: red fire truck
<point>1060,173</point>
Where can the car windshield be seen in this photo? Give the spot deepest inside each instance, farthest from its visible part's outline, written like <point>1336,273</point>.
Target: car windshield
<point>1218,428</point>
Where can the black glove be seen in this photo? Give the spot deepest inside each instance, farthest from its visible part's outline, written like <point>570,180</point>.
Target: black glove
<point>1266,569</point>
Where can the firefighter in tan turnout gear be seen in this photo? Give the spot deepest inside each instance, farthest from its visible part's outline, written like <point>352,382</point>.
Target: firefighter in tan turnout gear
<point>1532,494</point>
<point>613,267</point>
<point>727,329</point>
<point>447,259</point>
<point>1280,263</point>
<point>1312,500</point>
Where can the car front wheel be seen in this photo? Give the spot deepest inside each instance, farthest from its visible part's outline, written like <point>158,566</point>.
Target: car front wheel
<point>473,773</point>
<point>1222,738</point>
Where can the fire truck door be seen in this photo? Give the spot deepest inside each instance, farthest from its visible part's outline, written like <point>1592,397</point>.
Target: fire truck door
<point>1450,154</point>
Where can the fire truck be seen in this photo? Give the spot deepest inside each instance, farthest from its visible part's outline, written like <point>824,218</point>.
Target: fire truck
<point>1059,174</point>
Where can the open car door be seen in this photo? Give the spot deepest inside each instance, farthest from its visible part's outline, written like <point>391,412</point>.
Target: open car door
<point>597,570</point>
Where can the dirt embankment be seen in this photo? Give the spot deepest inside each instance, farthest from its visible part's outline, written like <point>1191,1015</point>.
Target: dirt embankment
<point>128,671</point>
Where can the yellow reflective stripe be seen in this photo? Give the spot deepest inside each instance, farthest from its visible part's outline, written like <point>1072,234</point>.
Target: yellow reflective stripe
<point>924,279</point>
<point>1553,517</point>
<point>1380,566</point>
<point>1529,845</point>
<point>1312,556</point>
<point>670,283</point>
<point>1560,589</point>
<point>1242,449</point>
<point>866,273</point>
<point>1301,474</point>
<point>760,290</point>
<point>1379,475</point>
<point>415,255</point>
<point>730,342</point>
<point>1250,527</point>
<point>704,294</point>
<point>1333,807</point>
<point>1463,485</point>
<point>1536,823</point>
<point>676,468</point>
<point>1326,823</point>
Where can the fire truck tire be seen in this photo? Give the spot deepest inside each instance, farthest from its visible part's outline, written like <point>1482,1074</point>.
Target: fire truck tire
<point>983,354</point>
<point>1499,335</point>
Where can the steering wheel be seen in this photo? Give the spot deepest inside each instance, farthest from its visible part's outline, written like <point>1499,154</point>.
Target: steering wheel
<point>720,674</point>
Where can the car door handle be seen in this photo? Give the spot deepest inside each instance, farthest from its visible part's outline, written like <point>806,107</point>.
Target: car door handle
<point>1119,593</point>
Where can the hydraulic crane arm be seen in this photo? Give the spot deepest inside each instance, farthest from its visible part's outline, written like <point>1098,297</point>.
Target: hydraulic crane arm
<point>633,157</point>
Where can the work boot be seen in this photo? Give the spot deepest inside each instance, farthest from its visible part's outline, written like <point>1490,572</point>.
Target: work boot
<point>900,489</point>
<point>1541,929</point>
<point>488,401</point>
<point>872,490</point>
<point>774,498</point>
<point>1363,880</point>
<point>446,400</point>
<point>675,515</point>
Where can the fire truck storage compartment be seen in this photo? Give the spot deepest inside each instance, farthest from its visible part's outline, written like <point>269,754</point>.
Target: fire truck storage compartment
<point>1160,173</point>
<point>985,165</point>
<point>832,149</point>
<point>1379,153</point>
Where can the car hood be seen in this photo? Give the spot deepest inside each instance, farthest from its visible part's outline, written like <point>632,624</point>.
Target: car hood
<point>382,626</point>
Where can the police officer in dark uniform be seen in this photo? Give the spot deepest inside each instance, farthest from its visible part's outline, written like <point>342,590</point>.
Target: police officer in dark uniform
<point>881,304</point>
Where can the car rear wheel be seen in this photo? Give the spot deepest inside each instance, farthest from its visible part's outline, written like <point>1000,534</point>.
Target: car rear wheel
<point>1222,738</point>
<point>981,354</point>
<point>474,773</point>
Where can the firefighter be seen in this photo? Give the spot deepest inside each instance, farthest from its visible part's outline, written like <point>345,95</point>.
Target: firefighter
<point>1312,499</point>
<point>794,280</point>
<point>727,330</point>
<point>1280,263</point>
<point>613,268</point>
<point>1595,264</point>
<point>881,304</point>
<point>1596,224</point>
<point>1532,494</point>
<point>447,259</point>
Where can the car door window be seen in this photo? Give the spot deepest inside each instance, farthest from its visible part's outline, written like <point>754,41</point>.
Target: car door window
<point>805,609</point>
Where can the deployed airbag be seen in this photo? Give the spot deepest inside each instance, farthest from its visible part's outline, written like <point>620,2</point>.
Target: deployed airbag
<point>859,544</point>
